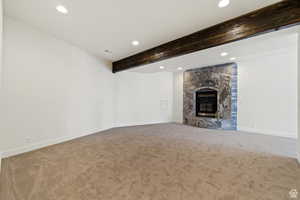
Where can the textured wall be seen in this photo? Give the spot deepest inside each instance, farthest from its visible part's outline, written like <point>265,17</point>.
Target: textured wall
<point>220,77</point>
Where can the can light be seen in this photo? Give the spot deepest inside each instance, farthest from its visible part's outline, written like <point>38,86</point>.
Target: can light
<point>223,3</point>
<point>62,9</point>
<point>223,54</point>
<point>135,43</point>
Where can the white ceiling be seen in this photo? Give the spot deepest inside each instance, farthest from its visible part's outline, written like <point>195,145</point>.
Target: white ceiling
<point>267,44</point>
<point>97,25</point>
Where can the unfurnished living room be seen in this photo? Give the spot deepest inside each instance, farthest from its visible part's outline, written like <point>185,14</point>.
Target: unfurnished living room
<point>149,100</point>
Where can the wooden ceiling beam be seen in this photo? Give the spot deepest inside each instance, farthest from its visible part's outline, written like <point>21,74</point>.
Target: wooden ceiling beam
<point>271,18</point>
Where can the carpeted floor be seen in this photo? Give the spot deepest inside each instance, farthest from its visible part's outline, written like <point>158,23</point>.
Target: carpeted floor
<point>155,162</point>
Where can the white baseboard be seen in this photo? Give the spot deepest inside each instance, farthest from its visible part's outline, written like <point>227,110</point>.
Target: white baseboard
<point>268,132</point>
<point>39,145</point>
<point>124,125</point>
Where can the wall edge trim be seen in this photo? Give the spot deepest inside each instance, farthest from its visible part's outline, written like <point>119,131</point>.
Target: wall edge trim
<point>43,144</point>
<point>283,134</point>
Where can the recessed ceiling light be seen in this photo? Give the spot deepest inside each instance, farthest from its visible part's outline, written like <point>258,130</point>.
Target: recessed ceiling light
<point>107,51</point>
<point>233,58</point>
<point>161,67</point>
<point>62,9</point>
<point>223,3</point>
<point>224,54</point>
<point>135,43</point>
<point>180,68</point>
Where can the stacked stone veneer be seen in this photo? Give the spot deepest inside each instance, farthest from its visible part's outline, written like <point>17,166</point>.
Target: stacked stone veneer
<point>223,78</point>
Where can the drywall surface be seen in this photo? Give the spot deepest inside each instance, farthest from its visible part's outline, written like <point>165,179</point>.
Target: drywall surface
<point>52,91</point>
<point>143,98</point>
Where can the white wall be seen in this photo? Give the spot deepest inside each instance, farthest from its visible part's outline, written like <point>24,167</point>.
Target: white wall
<point>178,97</point>
<point>143,98</point>
<point>267,94</point>
<point>1,33</point>
<point>298,52</point>
<point>1,39</point>
<point>52,91</point>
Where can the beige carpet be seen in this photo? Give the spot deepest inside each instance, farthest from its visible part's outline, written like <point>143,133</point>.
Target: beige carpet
<point>158,162</point>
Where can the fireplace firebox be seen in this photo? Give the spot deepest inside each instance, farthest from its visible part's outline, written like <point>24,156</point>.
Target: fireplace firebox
<point>207,103</point>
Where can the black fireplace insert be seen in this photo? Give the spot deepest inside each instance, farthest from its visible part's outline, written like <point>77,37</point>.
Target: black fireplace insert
<point>207,103</point>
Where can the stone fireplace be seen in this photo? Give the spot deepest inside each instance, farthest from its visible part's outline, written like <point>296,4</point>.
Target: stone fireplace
<point>210,97</point>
